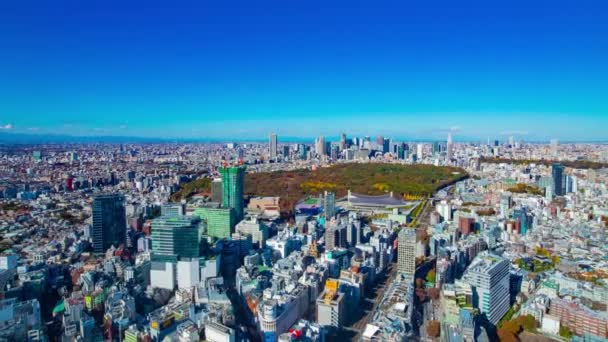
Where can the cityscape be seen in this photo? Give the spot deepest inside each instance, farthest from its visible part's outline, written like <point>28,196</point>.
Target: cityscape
<point>282,171</point>
<point>166,242</point>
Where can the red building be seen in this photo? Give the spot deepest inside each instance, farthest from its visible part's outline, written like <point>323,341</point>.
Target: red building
<point>466,225</point>
<point>580,319</point>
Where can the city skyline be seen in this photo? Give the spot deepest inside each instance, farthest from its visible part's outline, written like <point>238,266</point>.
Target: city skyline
<point>401,70</point>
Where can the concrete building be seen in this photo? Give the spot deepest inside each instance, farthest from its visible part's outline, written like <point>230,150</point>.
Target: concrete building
<point>272,147</point>
<point>330,306</point>
<point>406,251</point>
<point>488,275</point>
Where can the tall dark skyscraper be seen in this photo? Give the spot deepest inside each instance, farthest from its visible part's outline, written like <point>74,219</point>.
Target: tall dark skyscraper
<point>233,182</point>
<point>557,173</point>
<point>109,222</point>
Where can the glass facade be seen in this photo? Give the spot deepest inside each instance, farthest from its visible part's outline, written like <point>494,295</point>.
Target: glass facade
<point>176,236</point>
<point>233,182</point>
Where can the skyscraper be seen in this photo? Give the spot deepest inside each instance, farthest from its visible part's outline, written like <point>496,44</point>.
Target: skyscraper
<point>488,276</point>
<point>273,146</point>
<point>320,146</point>
<point>449,146</point>
<point>176,236</point>
<point>557,173</point>
<point>216,190</point>
<point>329,205</point>
<point>109,222</point>
<point>406,251</point>
<point>233,182</point>
<point>342,142</point>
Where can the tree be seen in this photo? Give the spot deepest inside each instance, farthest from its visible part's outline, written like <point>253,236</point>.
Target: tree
<point>565,332</point>
<point>507,336</point>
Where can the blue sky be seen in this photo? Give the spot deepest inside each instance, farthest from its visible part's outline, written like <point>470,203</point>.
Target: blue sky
<point>222,69</point>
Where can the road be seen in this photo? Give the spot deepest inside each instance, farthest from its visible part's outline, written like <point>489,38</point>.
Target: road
<point>371,302</point>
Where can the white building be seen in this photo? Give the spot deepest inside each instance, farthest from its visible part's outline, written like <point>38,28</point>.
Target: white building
<point>162,275</point>
<point>488,275</point>
<point>406,251</point>
<point>188,273</point>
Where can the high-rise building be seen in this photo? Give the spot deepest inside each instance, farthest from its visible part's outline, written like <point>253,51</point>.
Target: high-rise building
<point>285,152</point>
<point>334,152</point>
<point>488,275</point>
<point>109,226</point>
<point>331,305</point>
<point>273,146</point>
<point>216,190</point>
<point>233,182</point>
<point>406,251</point>
<point>420,151</point>
<point>380,142</point>
<point>436,148</point>
<point>335,236</point>
<point>449,146</point>
<point>220,222</point>
<point>342,142</point>
<point>176,236</point>
<point>386,145</point>
<point>557,173</point>
<point>329,205</point>
<point>320,146</point>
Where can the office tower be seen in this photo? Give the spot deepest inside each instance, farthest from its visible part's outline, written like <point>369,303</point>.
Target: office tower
<point>302,151</point>
<point>331,306</point>
<point>466,225</point>
<point>436,148</point>
<point>380,142</point>
<point>449,146</point>
<point>406,251</point>
<point>176,236</point>
<point>506,202</point>
<point>329,205</point>
<point>285,152</point>
<point>219,221</point>
<point>273,147</point>
<point>216,190</point>
<point>420,150</point>
<point>549,193</point>
<point>233,182</point>
<point>525,220</point>
<point>37,155</point>
<point>342,142</point>
<point>320,146</point>
<point>173,209</point>
<point>488,275</point>
<point>335,236</point>
<point>557,173</point>
<point>386,145</point>
<point>335,150</point>
<point>109,222</point>
<point>401,152</point>
<point>512,141</point>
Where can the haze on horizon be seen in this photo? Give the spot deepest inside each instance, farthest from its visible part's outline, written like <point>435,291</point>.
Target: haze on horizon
<point>202,69</point>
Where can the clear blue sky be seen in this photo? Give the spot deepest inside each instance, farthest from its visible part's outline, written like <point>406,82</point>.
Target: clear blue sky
<point>533,69</point>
